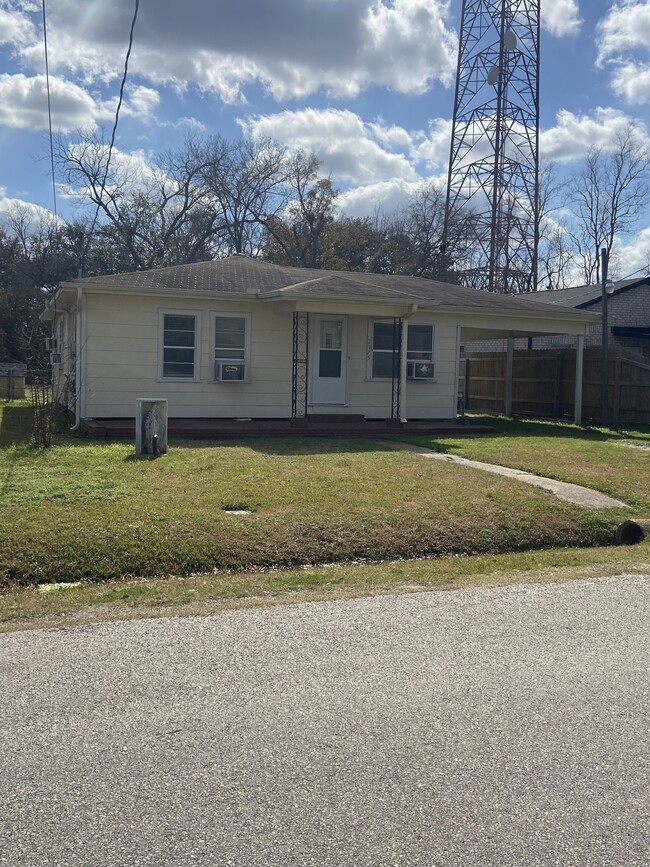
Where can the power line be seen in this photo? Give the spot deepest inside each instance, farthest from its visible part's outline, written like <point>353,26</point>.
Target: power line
<point>645,269</point>
<point>49,112</point>
<point>122,85</point>
<point>102,186</point>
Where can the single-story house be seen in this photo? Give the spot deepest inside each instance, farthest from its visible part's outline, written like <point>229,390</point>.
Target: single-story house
<point>240,338</point>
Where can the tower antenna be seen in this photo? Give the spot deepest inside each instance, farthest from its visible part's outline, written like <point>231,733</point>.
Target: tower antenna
<point>493,182</point>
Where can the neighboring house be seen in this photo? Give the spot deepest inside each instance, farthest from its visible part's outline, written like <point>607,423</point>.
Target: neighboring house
<point>242,338</point>
<point>628,317</point>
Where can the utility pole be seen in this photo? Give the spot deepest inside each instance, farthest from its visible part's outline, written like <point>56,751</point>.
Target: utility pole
<point>604,260</point>
<point>493,181</point>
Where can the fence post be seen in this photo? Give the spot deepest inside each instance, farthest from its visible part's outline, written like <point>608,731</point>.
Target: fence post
<point>509,375</point>
<point>616,409</point>
<point>577,405</point>
<point>557,385</point>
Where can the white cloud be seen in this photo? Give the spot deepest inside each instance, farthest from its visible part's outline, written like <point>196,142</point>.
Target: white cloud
<point>350,149</point>
<point>626,26</point>
<point>292,47</point>
<point>23,103</point>
<point>141,101</point>
<point>561,17</point>
<point>631,81</point>
<point>15,27</point>
<point>628,259</point>
<point>574,134</point>
<point>34,214</point>
<point>382,164</point>
<point>623,36</point>
<point>433,149</point>
<point>384,197</point>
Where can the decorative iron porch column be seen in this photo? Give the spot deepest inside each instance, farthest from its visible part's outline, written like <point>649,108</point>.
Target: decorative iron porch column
<point>300,365</point>
<point>396,380</point>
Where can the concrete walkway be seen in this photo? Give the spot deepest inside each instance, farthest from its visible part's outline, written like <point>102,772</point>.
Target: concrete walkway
<point>572,493</point>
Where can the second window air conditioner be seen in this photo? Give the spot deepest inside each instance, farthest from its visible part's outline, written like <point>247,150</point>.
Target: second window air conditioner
<point>230,371</point>
<point>419,370</point>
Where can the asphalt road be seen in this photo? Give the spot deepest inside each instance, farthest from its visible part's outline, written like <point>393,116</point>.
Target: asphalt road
<point>504,726</point>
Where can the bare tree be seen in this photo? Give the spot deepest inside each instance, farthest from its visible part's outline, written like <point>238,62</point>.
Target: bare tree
<point>435,253</point>
<point>160,214</point>
<point>299,235</point>
<point>606,198</point>
<point>246,182</point>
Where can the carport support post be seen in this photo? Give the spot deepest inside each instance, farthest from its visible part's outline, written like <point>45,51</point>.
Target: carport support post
<point>580,354</point>
<point>510,351</point>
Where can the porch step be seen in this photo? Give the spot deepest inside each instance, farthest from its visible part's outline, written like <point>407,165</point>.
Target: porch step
<point>334,418</point>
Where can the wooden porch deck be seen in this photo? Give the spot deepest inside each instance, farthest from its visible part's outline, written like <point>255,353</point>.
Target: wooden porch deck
<point>343,426</point>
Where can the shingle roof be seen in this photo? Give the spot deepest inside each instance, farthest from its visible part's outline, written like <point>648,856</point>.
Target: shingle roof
<point>243,275</point>
<point>582,296</point>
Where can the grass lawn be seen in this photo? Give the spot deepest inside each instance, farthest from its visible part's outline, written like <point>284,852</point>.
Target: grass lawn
<point>93,511</point>
<point>616,462</point>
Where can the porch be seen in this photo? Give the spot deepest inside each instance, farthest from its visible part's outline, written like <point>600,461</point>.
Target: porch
<point>343,426</point>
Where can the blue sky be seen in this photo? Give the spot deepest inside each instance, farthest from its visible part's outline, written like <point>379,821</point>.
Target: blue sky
<point>366,84</point>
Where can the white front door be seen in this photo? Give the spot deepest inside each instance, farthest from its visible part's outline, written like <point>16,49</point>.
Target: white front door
<point>328,360</point>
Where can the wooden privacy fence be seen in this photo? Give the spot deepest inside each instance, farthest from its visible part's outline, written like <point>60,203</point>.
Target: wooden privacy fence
<point>543,385</point>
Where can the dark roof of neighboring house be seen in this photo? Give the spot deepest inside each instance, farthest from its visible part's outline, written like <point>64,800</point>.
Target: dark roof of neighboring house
<point>243,275</point>
<point>584,296</point>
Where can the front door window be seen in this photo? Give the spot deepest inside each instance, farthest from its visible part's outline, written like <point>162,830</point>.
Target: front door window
<point>331,344</point>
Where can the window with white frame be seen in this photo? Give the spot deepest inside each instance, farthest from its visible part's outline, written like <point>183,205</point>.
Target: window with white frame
<point>179,333</point>
<point>384,339</point>
<point>419,351</point>
<point>384,336</point>
<point>231,347</point>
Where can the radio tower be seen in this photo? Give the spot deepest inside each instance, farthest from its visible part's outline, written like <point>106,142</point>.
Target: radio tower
<point>493,184</point>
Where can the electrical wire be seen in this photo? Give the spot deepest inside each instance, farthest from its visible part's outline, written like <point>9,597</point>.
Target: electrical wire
<point>645,270</point>
<point>121,97</point>
<point>49,113</point>
<point>102,187</point>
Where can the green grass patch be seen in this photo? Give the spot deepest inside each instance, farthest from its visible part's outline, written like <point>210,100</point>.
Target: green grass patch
<point>66,605</point>
<point>91,511</point>
<point>614,461</point>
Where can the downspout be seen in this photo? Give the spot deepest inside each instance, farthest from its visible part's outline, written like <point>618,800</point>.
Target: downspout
<point>77,363</point>
<point>402,372</point>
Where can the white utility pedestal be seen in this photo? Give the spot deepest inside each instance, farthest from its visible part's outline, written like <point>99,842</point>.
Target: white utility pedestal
<point>150,426</point>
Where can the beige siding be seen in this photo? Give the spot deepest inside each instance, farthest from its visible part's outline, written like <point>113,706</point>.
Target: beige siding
<point>123,353</point>
<point>372,398</point>
<point>121,356</point>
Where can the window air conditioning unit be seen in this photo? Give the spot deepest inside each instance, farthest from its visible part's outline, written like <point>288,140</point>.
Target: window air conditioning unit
<point>230,371</point>
<point>56,358</point>
<point>50,344</point>
<point>419,370</point>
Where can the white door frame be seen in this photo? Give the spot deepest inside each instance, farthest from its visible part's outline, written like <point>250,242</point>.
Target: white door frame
<point>330,389</point>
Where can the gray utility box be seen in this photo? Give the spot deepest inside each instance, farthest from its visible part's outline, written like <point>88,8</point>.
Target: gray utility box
<point>150,426</point>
